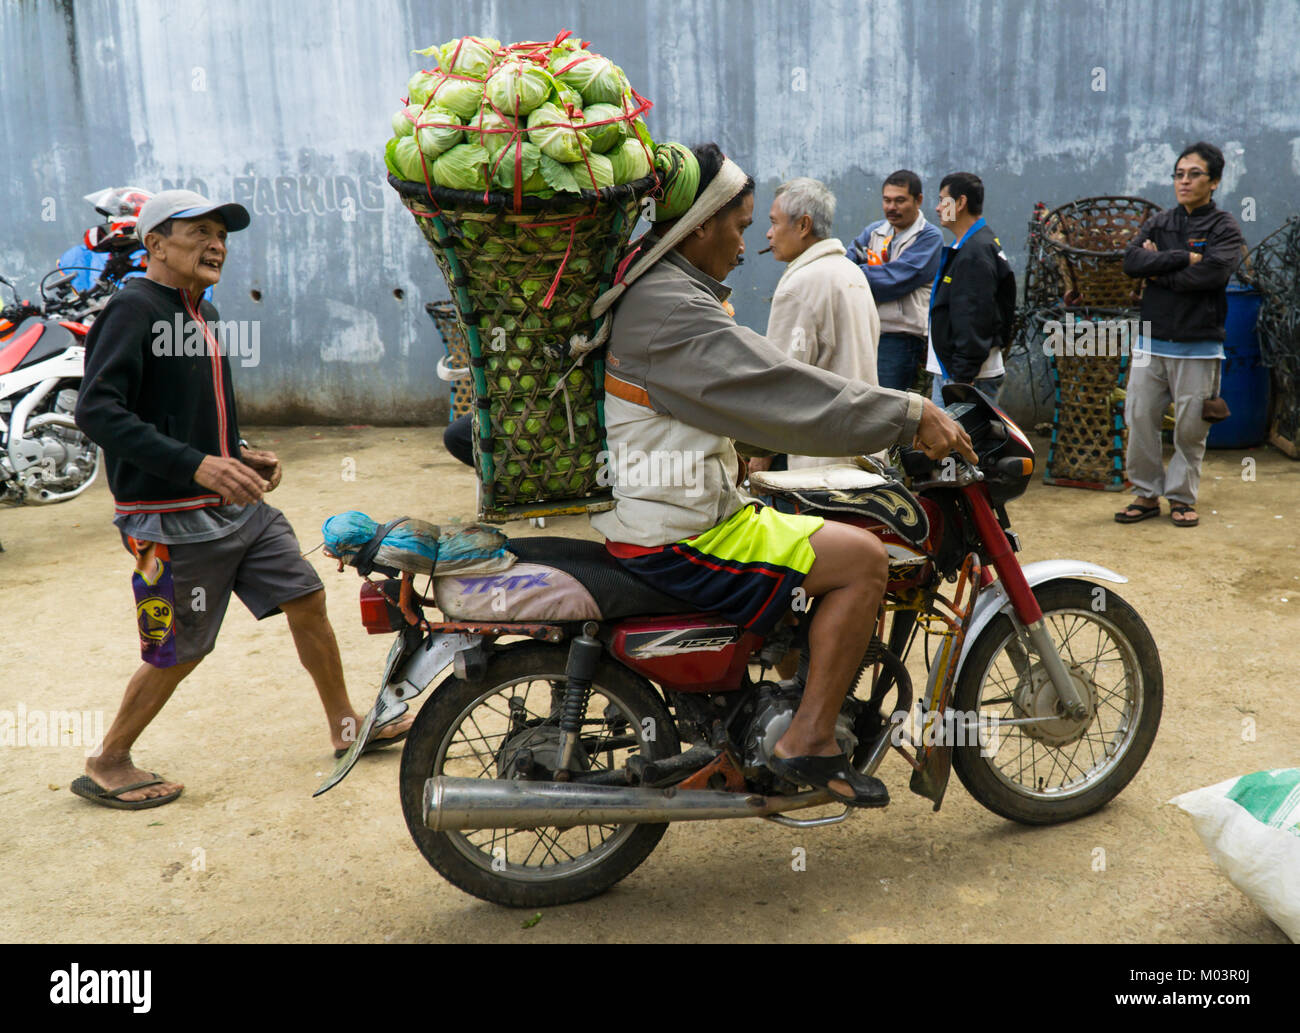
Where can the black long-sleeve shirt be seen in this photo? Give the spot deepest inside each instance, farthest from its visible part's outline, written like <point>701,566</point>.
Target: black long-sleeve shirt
<point>1182,301</point>
<point>157,397</point>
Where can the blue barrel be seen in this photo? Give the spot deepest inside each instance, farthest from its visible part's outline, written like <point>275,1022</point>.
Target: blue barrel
<point>1244,383</point>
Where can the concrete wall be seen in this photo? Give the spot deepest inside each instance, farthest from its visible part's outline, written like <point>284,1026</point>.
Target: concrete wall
<point>284,106</point>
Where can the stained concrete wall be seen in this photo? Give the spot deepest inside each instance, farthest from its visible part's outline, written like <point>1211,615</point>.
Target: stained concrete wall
<point>284,106</point>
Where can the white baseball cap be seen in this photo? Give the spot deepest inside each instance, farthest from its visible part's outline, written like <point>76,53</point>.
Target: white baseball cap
<point>186,204</point>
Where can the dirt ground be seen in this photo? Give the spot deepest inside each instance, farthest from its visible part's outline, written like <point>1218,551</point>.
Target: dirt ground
<point>247,854</point>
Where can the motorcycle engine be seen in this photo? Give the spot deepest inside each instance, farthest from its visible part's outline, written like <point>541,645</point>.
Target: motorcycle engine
<point>774,707</point>
<point>67,457</point>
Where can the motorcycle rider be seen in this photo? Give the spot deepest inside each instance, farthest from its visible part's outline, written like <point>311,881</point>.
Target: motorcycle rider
<point>682,380</point>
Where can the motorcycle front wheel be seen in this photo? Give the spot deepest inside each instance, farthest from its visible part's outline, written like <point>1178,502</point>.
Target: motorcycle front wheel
<point>506,725</point>
<point>1051,768</point>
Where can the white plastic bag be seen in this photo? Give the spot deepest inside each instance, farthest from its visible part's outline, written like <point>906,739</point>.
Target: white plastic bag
<point>1251,827</point>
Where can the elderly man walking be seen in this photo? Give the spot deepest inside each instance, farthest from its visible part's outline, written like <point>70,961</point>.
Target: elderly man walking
<point>157,397</point>
<point>822,312</point>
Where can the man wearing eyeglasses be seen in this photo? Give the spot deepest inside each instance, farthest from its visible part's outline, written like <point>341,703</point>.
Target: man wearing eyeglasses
<point>1186,254</point>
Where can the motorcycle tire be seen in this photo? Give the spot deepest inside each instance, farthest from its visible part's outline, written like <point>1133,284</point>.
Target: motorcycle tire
<point>1066,604</point>
<point>464,863</point>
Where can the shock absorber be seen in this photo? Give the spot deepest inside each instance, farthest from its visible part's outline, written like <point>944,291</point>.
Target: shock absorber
<point>584,654</point>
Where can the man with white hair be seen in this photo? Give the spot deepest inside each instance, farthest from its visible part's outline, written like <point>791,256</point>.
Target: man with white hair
<point>823,312</point>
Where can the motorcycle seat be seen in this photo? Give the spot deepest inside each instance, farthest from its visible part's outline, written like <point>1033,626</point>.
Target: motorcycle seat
<point>841,488</point>
<point>616,592</point>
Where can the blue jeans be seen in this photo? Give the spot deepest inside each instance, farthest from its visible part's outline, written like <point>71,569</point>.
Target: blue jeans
<point>897,360</point>
<point>989,386</point>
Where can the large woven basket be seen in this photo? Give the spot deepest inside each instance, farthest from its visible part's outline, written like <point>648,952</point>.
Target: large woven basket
<point>443,314</point>
<point>1088,431</point>
<point>1087,238</point>
<point>523,283</point>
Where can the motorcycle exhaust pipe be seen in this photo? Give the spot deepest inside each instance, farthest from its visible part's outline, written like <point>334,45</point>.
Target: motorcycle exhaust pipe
<point>480,803</point>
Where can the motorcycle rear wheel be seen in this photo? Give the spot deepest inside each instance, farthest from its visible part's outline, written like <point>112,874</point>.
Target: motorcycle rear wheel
<point>1061,770</point>
<point>471,729</point>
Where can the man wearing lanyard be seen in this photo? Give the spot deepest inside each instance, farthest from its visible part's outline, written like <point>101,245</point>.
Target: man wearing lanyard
<point>973,303</point>
<point>899,256</point>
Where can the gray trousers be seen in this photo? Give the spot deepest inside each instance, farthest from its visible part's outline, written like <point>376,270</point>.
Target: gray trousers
<point>1186,383</point>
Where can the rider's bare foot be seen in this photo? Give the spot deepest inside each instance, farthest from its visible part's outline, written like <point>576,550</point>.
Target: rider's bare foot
<point>351,726</point>
<point>112,772</point>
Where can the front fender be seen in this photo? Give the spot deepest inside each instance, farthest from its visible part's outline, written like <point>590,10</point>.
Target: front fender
<point>993,600</point>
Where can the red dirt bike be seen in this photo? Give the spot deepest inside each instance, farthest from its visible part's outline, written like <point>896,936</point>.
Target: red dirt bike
<point>542,772</point>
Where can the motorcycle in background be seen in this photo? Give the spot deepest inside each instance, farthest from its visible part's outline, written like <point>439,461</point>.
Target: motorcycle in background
<point>44,458</point>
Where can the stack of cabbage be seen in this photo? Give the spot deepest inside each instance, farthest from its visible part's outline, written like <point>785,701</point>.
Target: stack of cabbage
<point>523,133</point>
<point>557,116</point>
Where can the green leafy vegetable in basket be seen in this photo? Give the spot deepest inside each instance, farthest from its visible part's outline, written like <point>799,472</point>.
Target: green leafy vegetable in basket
<point>518,87</point>
<point>461,96</point>
<point>403,159</point>
<point>464,167</point>
<point>595,173</point>
<point>437,130</point>
<point>468,55</point>
<point>597,78</point>
<point>529,157</point>
<point>490,130</point>
<point>604,138</point>
<point>629,161</point>
<point>404,120</point>
<point>557,133</point>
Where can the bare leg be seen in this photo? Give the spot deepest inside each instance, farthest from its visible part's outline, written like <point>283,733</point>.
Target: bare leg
<point>318,650</point>
<point>848,578</point>
<point>146,693</point>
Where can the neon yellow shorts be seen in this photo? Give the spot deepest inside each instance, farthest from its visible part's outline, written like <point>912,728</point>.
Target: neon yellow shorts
<point>748,568</point>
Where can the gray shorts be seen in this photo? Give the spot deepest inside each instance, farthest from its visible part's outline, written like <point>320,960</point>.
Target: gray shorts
<point>260,562</point>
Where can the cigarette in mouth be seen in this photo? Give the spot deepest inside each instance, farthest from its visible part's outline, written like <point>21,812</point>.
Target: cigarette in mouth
<point>765,250</point>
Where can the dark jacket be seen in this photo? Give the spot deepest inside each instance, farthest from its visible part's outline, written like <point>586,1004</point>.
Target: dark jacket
<point>157,416</point>
<point>1181,301</point>
<point>973,305</point>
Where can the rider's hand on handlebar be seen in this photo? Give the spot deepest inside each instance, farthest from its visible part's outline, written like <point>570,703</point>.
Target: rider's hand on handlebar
<point>938,434</point>
<point>232,479</point>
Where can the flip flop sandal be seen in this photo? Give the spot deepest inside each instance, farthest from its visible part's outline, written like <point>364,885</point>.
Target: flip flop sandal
<point>819,772</point>
<point>1180,508</point>
<point>87,788</point>
<point>1128,515</point>
<point>375,744</point>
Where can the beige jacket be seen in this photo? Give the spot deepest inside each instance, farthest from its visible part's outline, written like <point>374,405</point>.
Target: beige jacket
<point>683,379</point>
<point>823,314</point>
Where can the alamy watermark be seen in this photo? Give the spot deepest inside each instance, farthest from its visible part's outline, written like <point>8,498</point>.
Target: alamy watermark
<point>236,338</point>
<point>659,468</point>
<point>1096,338</point>
<point>83,729</point>
<point>951,728</point>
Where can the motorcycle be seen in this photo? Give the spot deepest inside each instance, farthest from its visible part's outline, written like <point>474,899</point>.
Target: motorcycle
<point>541,772</point>
<point>44,458</point>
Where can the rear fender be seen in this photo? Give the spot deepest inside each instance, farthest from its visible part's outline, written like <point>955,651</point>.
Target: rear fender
<point>408,672</point>
<point>993,600</point>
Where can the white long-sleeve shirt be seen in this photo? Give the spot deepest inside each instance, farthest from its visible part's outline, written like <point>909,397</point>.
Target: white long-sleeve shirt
<point>823,314</point>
